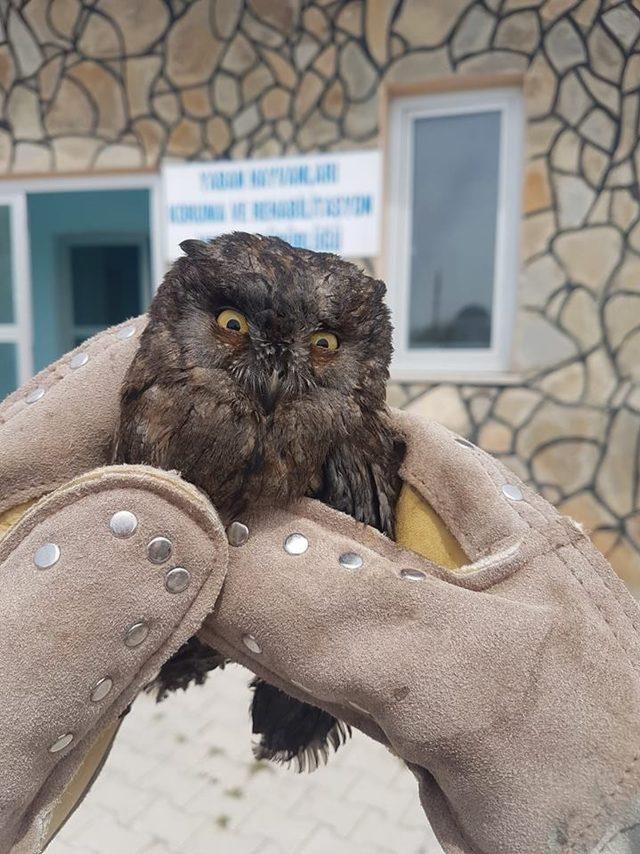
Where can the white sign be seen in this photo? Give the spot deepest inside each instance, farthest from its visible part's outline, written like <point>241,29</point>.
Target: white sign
<point>324,202</point>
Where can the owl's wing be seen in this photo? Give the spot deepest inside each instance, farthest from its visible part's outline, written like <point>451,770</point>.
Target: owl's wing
<point>151,417</point>
<point>361,478</point>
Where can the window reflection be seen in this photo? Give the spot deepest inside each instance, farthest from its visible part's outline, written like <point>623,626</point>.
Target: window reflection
<point>8,368</point>
<point>106,287</point>
<point>454,210</point>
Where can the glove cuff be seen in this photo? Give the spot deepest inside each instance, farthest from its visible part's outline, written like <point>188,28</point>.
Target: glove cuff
<point>109,576</point>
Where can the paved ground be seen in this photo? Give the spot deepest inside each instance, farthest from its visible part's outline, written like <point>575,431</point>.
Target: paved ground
<point>181,780</point>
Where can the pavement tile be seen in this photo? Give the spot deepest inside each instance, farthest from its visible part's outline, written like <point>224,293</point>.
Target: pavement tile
<point>181,779</point>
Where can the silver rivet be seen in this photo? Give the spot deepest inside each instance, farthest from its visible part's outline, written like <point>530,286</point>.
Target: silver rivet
<point>251,643</point>
<point>237,534</point>
<point>101,689</point>
<point>296,544</point>
<point>78,361</point>
<point>412,574</point>
<point>123,524</point>
<point>513,492</point>
<point>177,579</point>
<point>35,395</point>
<point>61,742</point>
<point>464,442</point>
<point>136,634</point>
<point>125,333</point>
<point>47,555</point>
<point>350,560</point>
<point>159,550</point>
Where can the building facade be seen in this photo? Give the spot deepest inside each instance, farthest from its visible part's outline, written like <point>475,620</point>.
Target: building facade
<point>511,245</point>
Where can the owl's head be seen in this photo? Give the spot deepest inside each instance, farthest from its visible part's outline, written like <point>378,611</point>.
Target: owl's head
<point>278,322</point>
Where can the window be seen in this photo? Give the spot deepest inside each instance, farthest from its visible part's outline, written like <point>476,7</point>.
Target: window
<point>108,285</point>
<point>453,216</point>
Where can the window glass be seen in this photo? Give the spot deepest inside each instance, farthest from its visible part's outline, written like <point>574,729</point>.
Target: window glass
<point>105,284</point>
<point>6,276</point>
<point>8,369</point>
<point>453,230</point>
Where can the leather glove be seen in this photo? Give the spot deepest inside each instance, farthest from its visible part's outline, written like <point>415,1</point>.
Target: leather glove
<point>509,685</point>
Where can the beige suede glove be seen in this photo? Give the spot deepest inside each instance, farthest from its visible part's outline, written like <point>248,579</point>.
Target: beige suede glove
<point>510,686</point>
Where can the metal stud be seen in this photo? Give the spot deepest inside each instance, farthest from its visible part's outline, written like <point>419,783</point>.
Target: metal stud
<point>47,555</point>
<point>177,579</point>
<point>412,575</point>
<point>512,492</point>
<point>61,742</point>
<point>136,634</point>
<point>35,395</point>
<point>126,332</point>
<point>101,689</point>
<point>78,361</point>
<point>123,524</point>
<point>464,442</point>
<point>350,560</point>
<point>237,534</point>
<point>159,550</point>
<point>251,644</point>
<point>296,544</point>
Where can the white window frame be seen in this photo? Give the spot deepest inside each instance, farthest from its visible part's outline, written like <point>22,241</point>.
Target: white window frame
<point>20,331</point>
<point>419,363</point>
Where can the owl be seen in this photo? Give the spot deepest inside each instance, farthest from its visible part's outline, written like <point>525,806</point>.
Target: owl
<point>261,378</point>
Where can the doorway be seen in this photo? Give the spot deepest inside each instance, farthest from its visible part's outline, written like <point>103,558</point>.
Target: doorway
<point>103,280</point>
<point>90,266</point>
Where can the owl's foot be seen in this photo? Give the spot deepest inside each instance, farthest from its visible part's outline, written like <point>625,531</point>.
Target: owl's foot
<point>291,731</point>
<point>191,663</point>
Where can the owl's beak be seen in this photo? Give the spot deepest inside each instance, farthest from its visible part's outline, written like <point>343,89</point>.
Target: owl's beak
<point>271,391</point>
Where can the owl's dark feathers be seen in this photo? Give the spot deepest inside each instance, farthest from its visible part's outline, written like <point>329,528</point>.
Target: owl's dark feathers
<point>262,415</point>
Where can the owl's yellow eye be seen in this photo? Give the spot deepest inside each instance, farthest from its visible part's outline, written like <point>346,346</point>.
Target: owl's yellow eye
<point>233,320</point>
<point>325,340</point>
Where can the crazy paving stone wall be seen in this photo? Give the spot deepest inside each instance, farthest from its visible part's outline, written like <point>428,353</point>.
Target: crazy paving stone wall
<point>124,83</point>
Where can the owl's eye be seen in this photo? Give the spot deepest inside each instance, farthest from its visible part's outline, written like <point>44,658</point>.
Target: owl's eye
<point>233,320</point>
<point>325,340</point>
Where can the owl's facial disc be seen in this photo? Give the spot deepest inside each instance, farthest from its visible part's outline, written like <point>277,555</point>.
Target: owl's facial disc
<point>273,354</point>
<point>282,327</point>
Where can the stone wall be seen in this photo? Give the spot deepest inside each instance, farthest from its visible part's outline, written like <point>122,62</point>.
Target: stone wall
<point>126,83</point>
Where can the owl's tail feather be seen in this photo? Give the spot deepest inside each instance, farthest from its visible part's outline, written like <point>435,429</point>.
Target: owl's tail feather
<point>312,756</point>
<point>190,664</point>
<point>291,732</point>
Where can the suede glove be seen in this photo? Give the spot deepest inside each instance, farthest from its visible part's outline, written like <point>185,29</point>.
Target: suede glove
<point>510,686</point>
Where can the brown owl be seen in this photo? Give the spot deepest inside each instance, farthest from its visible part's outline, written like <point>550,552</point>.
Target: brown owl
<point>261,378</point>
